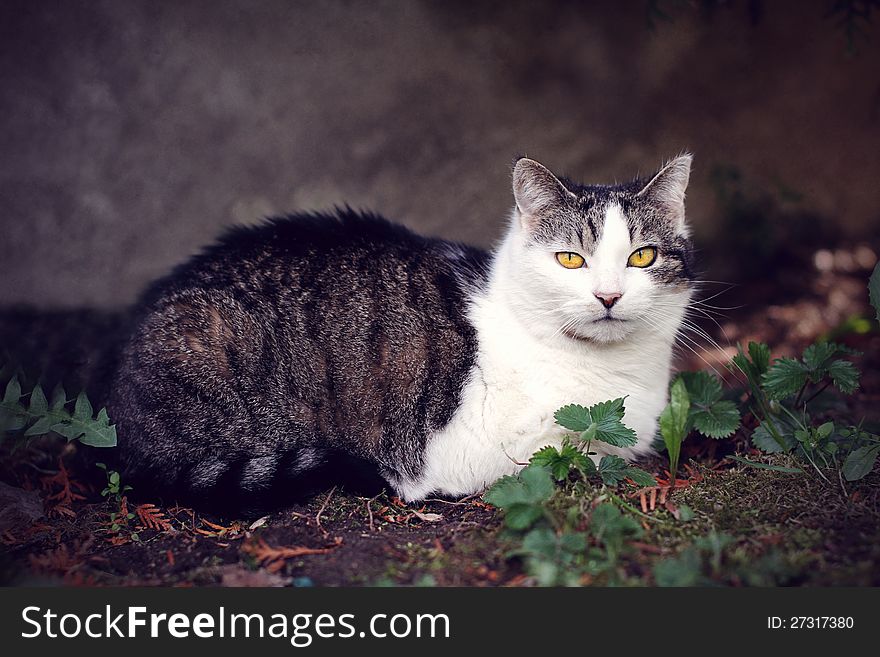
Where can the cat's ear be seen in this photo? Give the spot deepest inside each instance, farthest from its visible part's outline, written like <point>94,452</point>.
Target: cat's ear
<point>666,189</point>
<point>537,191</point>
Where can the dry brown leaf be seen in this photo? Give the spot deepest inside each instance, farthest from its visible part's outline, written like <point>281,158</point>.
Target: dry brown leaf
<point>428,517</point>
<point>273,558</point>
<point>66,496</point>
<point>258,523</point>
<point>152,518</point>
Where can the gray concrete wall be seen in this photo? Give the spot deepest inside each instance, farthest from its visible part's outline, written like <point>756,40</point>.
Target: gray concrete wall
<point>132,132</point>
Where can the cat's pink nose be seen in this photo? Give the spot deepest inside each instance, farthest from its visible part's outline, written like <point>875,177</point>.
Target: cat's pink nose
<point>608,299</point>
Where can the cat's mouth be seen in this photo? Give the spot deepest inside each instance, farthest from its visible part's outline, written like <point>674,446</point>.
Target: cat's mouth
<point>606,320</point>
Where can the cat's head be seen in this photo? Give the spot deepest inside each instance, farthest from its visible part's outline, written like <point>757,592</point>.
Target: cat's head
<point>600,262</point>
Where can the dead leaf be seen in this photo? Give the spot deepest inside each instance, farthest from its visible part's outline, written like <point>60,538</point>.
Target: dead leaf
<point>273,558</point>
<point>153,518</point>
<point>428,517</point>
<point>258,523</point>
<point>66,496</point>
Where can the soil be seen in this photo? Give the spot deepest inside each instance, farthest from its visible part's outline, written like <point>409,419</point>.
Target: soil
<point>785,529</point>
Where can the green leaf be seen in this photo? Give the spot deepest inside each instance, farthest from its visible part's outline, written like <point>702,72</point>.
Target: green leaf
<point>719,420</point>
<point>874,289</point>
<point>612,469</point>
<point>533,485</point>
<point>585,464</point>
<point>765,466</point>
<point>13,415</point>
<point>816,355</point>
<point>42,426</point>
<point>573,542</point>
<point>59,398</point>
<point>673,422</point>
<point>522,516</point>
<point>83,408</point>
<point>96,433</point>
<point>618,435</point>
<point>824,430</point>
<point>559,462</point>
<point>784,378</point>
<point>860,461</point>
<point>608,524</point>
<point>39,405</point>
<point>12,418</point>
<point>601,421</point>
<point>640,477</point>
<point>541,542</point>
<point>590,433</point>
<point>607,411</point>
<point>844,375</point>
<point>13,391</point>
<point>760,356</point>
<point>703,388</point>
<point>609,428</point>
<point>763,437</point>
<point>522,496</point>
<point>683,570</point>
<point>753,365</point>
<point>573,417</point>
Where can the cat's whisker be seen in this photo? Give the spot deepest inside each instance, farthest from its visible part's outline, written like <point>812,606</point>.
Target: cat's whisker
<point>688,342</point>
<point>688,325</point>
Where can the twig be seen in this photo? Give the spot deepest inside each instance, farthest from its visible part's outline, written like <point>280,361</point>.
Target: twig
<point>370,510</point>
<point>840,477</point>
<point>321,510</point>
<point>462,502</point>
<point>797,400</point>
<point>817,393</point>
<point>513,460</point>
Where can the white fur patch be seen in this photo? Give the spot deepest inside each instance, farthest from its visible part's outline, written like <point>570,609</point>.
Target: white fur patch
<point>527,367</point>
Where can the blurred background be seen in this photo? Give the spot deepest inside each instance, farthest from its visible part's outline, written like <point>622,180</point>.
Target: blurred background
<point>133,132</point>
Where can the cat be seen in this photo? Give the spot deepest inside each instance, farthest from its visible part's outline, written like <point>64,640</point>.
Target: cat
<point>315,344</point>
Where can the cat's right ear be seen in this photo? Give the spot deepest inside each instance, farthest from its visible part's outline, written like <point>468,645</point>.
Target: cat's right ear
<point>537,191</point>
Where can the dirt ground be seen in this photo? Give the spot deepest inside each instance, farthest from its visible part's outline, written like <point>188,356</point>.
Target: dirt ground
<point>784,529</point>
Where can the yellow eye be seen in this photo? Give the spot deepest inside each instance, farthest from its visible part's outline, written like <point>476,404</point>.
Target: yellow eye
<point>569,260</point>
<point>643,257</point>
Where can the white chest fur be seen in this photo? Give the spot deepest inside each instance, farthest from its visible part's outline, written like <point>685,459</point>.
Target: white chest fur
<point>518,382</point>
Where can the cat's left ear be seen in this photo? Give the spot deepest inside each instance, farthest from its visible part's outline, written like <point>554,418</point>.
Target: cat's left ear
<point>537,192</point>
<point>666,189</point>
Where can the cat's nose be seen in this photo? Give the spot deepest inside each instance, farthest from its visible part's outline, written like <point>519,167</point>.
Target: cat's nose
<point>608,299</point>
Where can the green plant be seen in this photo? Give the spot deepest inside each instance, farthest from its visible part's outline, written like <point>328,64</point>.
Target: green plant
<point>121,517</point>
<point>695,404</point>
<point>601,422</point>
<point>782,398</point>
<point>673,423</point>
<point>547,525</point>
<point>42,416</point>
<point>114,487</point>
<point>712,560</point>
